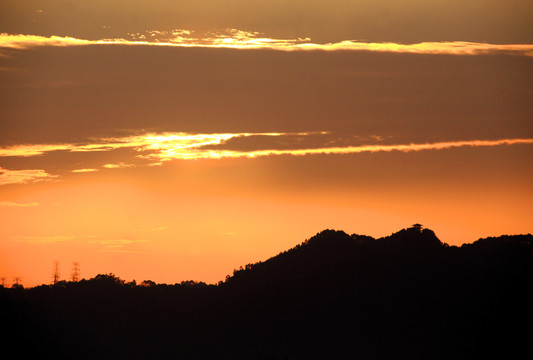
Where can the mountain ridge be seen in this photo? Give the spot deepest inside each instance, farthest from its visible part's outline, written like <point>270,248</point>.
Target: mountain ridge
<point>409,244</point>
<point>334,296</point>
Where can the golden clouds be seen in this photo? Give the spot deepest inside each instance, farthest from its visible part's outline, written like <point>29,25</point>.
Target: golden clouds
<point>23,176</point>
<point>40,149</point>
<point>444,48</point>
<point>21,41</point>
<point>389,148</point>
<point>183,146</point>
<point>238,39</point>
<point>84,170</point>
<point>119,165</point>
<point>30,150</point>
<point>155,149</point>
<point>166,146</point>
<point>218,154</point>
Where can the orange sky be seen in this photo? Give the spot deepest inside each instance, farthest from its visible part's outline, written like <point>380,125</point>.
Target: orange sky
<point>184,139</point>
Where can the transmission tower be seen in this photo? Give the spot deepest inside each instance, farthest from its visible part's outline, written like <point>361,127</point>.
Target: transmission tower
<point>16,281</point>
<point>3,280</point>
<point>76,272</point>
<point>55,277</point>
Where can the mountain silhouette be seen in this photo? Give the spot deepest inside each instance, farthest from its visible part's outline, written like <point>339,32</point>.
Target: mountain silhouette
<point>334,296</point>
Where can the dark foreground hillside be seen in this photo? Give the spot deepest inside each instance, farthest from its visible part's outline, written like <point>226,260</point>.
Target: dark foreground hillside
<point>335,296</point>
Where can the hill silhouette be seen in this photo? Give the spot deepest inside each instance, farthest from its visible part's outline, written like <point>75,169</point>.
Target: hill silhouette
<point>335,296</point>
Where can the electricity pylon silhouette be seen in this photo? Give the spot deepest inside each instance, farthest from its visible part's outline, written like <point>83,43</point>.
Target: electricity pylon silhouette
<point>75,272</point>
<point>55,277</point>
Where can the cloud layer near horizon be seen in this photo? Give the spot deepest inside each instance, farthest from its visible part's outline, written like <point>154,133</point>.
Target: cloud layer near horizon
<point>238,39</point>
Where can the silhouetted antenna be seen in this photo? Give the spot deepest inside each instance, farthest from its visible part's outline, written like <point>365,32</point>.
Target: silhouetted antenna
<point>55,277</point>
<point>16,280</point>
<point>75,272</point>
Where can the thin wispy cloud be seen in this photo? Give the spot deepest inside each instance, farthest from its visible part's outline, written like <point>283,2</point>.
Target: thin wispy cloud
<point>238,39</point>
<point>119,245</point>
<point>384,148</point>
<point>119,165</point>
<point>171,152</point>
<point>17,204</point>
<point>39,149</point>
<point>84,170</point>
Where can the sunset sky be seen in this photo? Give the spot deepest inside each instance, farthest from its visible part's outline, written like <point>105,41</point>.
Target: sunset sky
<point>176,140</point>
